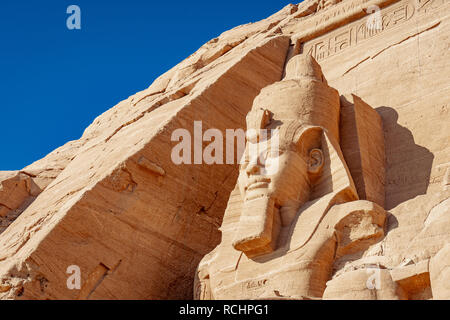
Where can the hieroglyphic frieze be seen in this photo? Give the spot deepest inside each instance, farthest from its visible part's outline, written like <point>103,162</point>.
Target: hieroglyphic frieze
<point>358,32</point>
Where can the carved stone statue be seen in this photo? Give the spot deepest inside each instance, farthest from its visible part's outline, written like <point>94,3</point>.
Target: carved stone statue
<point>295,209</point>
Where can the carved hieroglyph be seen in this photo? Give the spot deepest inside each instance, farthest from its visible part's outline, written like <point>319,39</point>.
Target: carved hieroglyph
<point>282,237</point>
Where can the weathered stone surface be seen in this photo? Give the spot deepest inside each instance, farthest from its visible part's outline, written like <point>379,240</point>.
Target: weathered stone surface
<point>384,75</point>
<point>106,208</point>
<point>116,205</point>
<point>362,143</point>
<point>17,191</point>
<point>440,274</point>
<point>397,71</point>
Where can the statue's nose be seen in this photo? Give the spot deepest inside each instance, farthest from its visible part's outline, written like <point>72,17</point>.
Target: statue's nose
<point>252,168</point>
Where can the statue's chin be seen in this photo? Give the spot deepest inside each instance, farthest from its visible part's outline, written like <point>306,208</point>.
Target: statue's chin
<point>254,232</point>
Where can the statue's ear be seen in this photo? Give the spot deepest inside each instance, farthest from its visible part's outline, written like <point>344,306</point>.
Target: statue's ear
<point>307,139</point>
<point>315,161</point>
<point>309,144</point>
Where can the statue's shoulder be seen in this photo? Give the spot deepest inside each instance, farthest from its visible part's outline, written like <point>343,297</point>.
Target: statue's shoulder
<point>353,212</point>
<point>356,225</point>
<point>349,222</point>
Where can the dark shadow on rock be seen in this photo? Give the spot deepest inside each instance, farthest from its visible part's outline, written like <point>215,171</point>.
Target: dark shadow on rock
<point>391,223</point>
<point>408,165</point>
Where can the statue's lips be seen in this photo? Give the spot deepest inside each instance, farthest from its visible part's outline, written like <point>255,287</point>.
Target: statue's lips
<point>257,183</point>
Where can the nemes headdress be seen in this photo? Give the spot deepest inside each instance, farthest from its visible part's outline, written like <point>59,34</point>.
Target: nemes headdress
<point>301,100</point>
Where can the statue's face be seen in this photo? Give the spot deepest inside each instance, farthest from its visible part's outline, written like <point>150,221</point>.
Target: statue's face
<point>269,171</point>
<point>274,178</point>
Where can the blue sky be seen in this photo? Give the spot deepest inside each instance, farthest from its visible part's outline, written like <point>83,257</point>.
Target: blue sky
<point>55,81</point>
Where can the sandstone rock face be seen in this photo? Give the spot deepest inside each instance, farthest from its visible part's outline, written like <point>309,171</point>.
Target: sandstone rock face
<point>17,191</point>
<point>122,206</point>
<point>362,211</point>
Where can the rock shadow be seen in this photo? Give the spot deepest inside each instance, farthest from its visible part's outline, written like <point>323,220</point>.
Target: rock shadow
<point>408,165</point>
